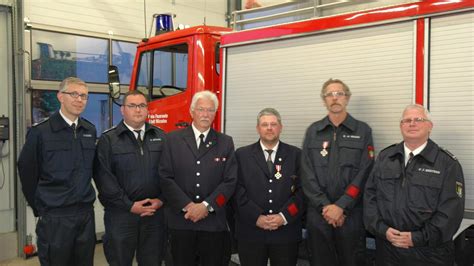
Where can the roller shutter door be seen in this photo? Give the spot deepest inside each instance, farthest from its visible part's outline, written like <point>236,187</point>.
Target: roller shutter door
<point>451,90</point>
<point>376,63</point>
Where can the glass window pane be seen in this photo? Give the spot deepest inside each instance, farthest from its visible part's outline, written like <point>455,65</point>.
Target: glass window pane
<point>123,56</point>
<point>56,56</point>
<point>45,103</point>
<point>144,70</point>
<point>170,70</point>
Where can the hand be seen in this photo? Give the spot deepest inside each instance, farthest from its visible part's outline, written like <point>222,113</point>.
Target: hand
<point>275,221</point>
<point>332,214</point>
<point>263,222</point>
<point>156,203</point>
<point>143,208</point>
<point>269,222</point>
<point>340,222</point>
<point>196,212</point>
<point>399,239</point>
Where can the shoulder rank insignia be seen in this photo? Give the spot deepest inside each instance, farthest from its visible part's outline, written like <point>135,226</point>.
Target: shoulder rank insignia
<point>41,122</point>
<point>449,153</point>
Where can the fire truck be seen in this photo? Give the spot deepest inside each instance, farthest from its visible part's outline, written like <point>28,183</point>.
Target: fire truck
<point>419,52</point>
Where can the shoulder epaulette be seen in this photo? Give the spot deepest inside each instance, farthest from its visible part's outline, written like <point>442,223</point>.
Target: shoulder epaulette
<point>448,153</point>
<point>40,122</point>
<point>107,130</point>
<point>87,121</point>
<point>386,148</point>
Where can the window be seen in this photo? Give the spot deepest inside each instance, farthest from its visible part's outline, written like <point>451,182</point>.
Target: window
<point>45,103</point>
<point>56,56</point>
<point>169,66</point>
<point>123,55</point>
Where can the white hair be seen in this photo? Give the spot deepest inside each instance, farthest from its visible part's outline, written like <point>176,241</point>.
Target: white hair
<point>204,95</point>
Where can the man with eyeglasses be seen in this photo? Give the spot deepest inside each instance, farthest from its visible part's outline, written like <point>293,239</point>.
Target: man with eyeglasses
<point>268,197</point>
<point>337,158</point>
<point>55,168</point>
<point>414,198</point>
<point>126,174</point>
<point>198,175</point>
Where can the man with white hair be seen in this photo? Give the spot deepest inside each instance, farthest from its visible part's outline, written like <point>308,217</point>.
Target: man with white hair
<point>198,176</point>
<point>414,198</point>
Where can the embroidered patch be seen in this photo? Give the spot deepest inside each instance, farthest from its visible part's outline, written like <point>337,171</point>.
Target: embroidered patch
<point>292,209</point>
<point>352,191</point>
<point>459,189</point>
<point>220,200</point>
<point>371,152</point>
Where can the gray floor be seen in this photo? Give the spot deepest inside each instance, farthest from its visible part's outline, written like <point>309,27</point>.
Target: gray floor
<point>99,259</point>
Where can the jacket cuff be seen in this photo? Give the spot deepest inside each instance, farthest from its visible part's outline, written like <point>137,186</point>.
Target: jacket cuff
<point>417,239</point>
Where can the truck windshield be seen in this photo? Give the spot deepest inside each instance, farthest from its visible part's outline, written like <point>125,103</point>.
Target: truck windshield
<point>163,72</point>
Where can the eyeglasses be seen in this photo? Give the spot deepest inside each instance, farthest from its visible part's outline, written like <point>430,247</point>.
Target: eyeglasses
<point>415,120</point>
<point>76,95</point>
<point>137,106</point>
<point>206,110</point>
<point>335,94</point>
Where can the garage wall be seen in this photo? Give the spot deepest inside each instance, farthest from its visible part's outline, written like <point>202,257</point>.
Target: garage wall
<point>123,17</point>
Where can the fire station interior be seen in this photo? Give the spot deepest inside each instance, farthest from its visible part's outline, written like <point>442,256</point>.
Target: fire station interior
<point>45,41</point>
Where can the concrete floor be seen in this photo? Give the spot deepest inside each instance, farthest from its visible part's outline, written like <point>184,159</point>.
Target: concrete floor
<point>99,259</point>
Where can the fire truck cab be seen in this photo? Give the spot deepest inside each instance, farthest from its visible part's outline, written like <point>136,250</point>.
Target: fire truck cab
<point>170,68</point>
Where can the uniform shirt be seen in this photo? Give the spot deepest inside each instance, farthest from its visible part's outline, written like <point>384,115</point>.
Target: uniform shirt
<point>126,171</point>
<point>426,198</point>
<point>336,162</point>
<point>68,121</point>
<point>197,133</point>
<point>265,153</point>
<point>55,166</point>
<point>415,151</point>
<point>142,130</point>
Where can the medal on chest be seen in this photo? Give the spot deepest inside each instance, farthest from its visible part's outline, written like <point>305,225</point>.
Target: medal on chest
<point>324,151</point>
<point>278,169</point>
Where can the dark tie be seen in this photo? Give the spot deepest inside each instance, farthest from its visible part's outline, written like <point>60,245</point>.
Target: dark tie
<point>269,161</point>
<point>73,127</point>
<point>139,137</point>
<point>201,142</point>
<point>410,159</point>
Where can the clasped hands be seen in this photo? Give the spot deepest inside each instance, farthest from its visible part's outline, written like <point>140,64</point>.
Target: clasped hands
<point>146,207</point>
<point>334,215</point>
<point>195,211</point>
<point>270,222</point>
<point>399,239</point>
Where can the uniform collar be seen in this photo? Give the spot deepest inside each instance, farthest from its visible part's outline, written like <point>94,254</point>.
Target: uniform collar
<point>197,132</point>
<point>429,153</point>
<point>349,123</point>
<point>275,148</point>
<point>57,122</point>
<point>68,121</point>
<point>122,127</point>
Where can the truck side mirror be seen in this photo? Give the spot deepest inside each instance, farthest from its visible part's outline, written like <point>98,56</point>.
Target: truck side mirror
<point>114,82</point>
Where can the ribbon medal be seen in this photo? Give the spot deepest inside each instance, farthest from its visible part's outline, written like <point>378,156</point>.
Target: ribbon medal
<point>278,174</point>
<point>324,151</point>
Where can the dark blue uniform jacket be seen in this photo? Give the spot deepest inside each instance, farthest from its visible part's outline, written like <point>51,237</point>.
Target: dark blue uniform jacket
<point>55,166</point>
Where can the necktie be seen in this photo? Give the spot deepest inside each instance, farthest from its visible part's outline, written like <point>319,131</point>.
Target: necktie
<point>269,161</point>
<point>410,159</point>
<point>73,127</point>
<point>201,142</point>
<point>139,137</point>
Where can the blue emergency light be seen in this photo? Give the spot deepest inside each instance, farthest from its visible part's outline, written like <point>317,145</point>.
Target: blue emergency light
<point>164,23</point>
